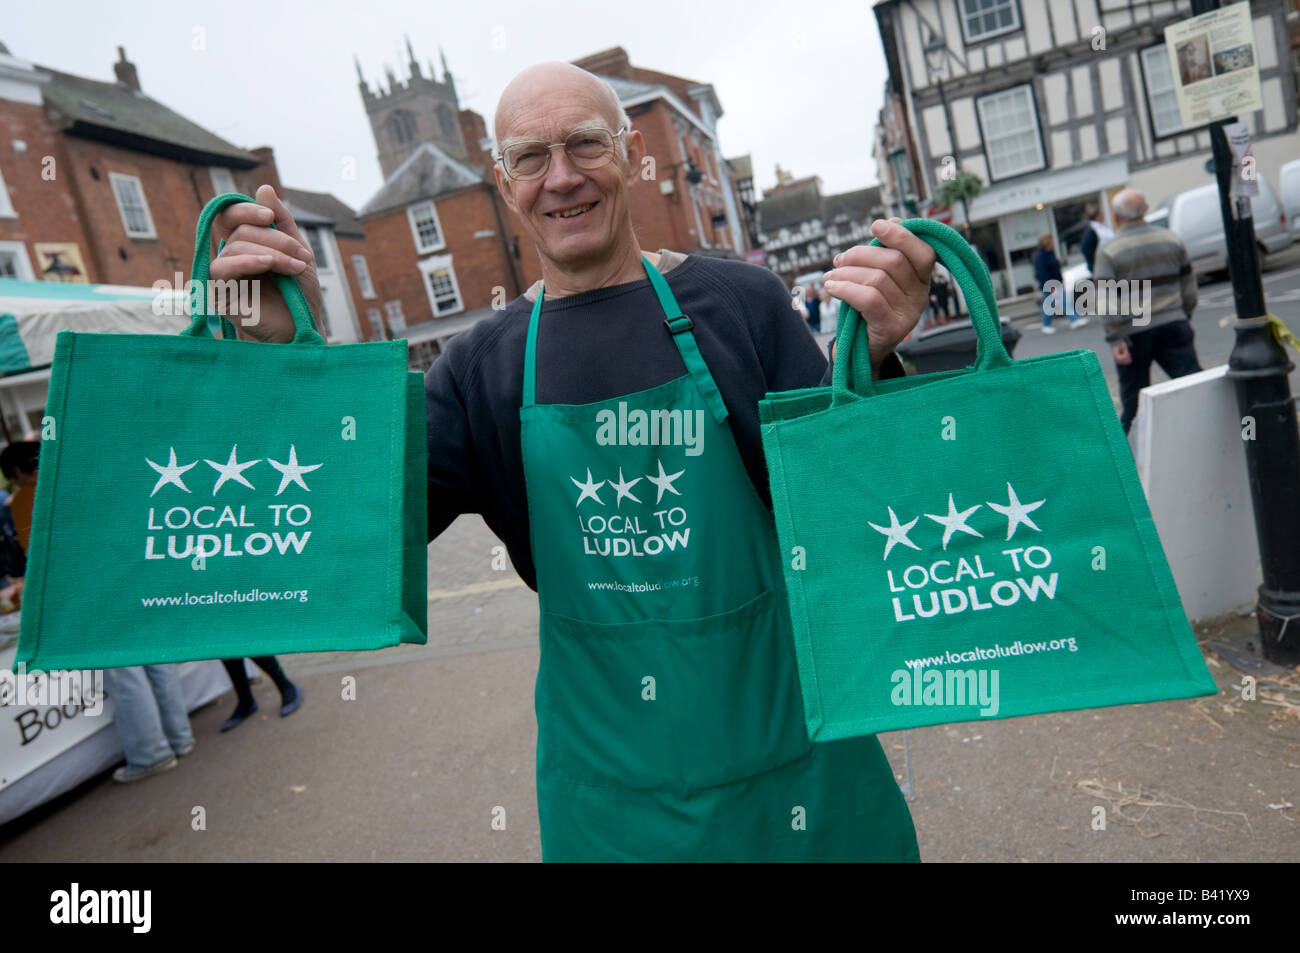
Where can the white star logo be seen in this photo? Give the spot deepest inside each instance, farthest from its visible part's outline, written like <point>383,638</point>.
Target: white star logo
<point>895,533</point>
<point>955,521</point>
<point>1017,512</point>
<point>170,473</point>
<point>588,489</point>
<point>230,470</point>
<point>291,472</point>
<point>664,481</point>
<point>623,488</point>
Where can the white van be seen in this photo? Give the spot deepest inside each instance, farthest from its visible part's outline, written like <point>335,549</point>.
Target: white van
<point>1194,217</point>
<point>1289,181</point>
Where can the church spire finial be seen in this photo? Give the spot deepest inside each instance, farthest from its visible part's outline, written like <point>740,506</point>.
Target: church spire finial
<point>410,53</point>
<point>446,75</point>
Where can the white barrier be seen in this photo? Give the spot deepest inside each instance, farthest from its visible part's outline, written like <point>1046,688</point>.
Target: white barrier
<point>1187,441</point>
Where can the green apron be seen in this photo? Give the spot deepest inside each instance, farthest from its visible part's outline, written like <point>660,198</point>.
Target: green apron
<point>669,718</point>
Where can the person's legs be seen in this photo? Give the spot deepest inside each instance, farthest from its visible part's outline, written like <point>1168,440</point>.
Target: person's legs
<point>1047,307</point>
<point>136,718</point>
<point>1174,348</point>
<point>1076,320</point>
<point>170,694</point>
<point>290,694</point>
<point>245,704</point>
<point>1134,375</point>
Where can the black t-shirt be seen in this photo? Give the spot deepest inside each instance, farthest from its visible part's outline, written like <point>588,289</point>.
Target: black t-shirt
<point>596,346</point>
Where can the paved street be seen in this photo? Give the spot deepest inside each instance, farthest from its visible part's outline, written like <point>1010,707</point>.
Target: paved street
<point>1214,339</point>
<point>442,736</point>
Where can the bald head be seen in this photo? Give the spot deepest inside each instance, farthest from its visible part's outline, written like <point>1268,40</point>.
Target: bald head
<point>1129,205</point>
<point>527,97</point>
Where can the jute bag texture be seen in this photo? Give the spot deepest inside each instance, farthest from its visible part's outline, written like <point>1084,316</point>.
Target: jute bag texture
<point>208,498</point>
<point>968,544</point>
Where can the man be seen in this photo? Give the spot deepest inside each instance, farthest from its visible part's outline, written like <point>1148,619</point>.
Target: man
<point>1141,252</point>
<point>1095,235</point>
<point>670,721</point>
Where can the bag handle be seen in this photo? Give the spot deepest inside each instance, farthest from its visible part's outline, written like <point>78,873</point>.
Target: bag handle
<point>304,326</point>
<point>852,375</point>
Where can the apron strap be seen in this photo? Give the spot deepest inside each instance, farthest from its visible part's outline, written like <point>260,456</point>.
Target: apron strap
<point>679,326</point>
<point>530,351</point>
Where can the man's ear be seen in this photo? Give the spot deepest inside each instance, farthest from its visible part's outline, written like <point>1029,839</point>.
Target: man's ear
<point>504,186</point>
<point>635,153</point>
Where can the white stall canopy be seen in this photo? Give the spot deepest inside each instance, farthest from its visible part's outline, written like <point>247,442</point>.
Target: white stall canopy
<point>41,309</point>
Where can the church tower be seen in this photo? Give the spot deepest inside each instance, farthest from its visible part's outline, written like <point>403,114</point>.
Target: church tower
<point>421,109</point>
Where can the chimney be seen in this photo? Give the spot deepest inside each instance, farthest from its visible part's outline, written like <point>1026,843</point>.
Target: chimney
<point>267,173</point>
<point>611,62</point>
<point>125,72</point>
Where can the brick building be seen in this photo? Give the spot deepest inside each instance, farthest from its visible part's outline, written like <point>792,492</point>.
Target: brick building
<point>444,249</point>
<point>687,200</point>
<point>101,183</point>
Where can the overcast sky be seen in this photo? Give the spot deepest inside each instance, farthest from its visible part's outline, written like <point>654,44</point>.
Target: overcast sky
<point>800,82</point>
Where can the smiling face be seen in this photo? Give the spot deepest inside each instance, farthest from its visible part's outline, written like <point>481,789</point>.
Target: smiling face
<point>578,218</point>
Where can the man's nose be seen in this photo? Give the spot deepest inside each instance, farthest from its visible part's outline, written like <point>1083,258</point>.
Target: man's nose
<point>562,175</point>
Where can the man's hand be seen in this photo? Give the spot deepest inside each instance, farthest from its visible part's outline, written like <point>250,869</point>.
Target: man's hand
<point>889,286</point>
<point>255,251</point>
<point>1120,350</point>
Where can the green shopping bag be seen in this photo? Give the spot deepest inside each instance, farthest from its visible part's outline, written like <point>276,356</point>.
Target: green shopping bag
<point>202,498</point>
<point>968,544</point>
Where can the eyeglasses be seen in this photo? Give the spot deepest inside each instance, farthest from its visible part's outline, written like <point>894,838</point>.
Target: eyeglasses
<point>586,148</point>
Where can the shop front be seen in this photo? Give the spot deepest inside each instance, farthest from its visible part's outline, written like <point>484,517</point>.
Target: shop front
<point>1006,220</point>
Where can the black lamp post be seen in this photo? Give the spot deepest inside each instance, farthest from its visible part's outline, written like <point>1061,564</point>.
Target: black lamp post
<point>936,52</point>
<point>1258,368</point>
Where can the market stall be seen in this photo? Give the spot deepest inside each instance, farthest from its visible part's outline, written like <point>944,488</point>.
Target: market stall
<point>47,749</point>
<point>32,313</point>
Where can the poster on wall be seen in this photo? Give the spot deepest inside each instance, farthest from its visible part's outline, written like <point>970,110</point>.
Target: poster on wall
<point>1215,69</point>
<point>60,261</point>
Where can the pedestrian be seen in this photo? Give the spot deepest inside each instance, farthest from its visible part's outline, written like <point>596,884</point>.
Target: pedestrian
<point>1097,234</point>
<point>246,704</point>
<point>13,561</point>
<point>669,713</point>
<point>1051,284</point>
<point>940,296</point>
<point>1140,253</point>
<point>20,462</point>
<point>812,302</point>
<point>151,719</point>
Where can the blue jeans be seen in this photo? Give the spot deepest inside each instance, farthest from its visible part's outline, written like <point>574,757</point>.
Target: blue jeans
<point>149,712</point>
<point>1052,303</point>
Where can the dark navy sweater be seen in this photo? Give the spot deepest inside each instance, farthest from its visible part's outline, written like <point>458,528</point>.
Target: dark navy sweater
<point>596,346</point>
